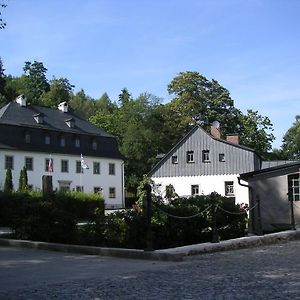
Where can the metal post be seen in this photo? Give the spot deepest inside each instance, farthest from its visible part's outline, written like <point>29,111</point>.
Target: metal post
<point>259,223</point>
<point>214,238</point>
<point>149,244</point>
<point>293,225</point>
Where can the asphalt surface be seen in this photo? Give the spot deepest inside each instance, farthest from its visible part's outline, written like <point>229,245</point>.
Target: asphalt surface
<point>265,272</point>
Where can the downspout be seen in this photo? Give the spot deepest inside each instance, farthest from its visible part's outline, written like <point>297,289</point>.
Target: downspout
<point>251,215</point>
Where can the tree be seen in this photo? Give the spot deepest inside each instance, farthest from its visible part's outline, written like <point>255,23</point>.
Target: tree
<point>60,91</point>
<point>2,84</point>
<point>256,132</point>
<point>291,140</point>
<point>2,23</point>
<point>104,104</point>
<point>197,97</point>
<point>124,97</point>
<point>82,104</point>
<point>36,83</point>
<point>23,180</point>
<point>8,184</point>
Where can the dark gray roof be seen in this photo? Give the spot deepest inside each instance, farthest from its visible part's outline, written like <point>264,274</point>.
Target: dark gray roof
<point>286,166</point>
<point>17,122</point>
<point>54,119</point>
<point>274,163</point>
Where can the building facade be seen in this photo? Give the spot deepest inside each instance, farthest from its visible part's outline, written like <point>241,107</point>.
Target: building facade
<point>57,142</point>
<point>202,163</point>
<point>275,195</point>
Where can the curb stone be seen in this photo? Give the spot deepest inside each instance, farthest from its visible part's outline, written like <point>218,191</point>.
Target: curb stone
<point>172,254</point>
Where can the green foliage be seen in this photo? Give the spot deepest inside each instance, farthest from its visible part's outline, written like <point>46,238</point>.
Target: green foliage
<point>2,23</point>
<point>60,91</point>
<point>291,141</point>
<point>8,184</point>
<point>256,131</point>
<point>23,180</point>
<point>127,229</point>
<point>48,219</point>
<point>196,96</point>
<point>36,83</point>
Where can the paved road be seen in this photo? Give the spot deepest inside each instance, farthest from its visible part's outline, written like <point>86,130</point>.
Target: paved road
<point>269,272</point>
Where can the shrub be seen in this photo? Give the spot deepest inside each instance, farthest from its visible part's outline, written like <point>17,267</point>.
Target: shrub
<point>51,219</point>
<point>8,184</point>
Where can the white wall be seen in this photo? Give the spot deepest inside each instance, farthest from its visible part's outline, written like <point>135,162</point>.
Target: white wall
<point>207,185</point>
<point>88,180</point>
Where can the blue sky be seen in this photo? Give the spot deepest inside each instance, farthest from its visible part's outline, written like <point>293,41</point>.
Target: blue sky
<point>251,47</point>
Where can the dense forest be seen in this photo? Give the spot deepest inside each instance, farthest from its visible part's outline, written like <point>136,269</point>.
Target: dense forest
<point>145,126</point>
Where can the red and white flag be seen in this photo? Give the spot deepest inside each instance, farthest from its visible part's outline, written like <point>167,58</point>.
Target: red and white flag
<point>50,166</point>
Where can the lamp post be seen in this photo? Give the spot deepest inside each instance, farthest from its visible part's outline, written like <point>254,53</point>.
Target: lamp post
<point>147,208</point>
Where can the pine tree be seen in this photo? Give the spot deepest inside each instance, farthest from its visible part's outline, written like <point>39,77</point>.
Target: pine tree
<point>23,180</point>
<point>8,184</point>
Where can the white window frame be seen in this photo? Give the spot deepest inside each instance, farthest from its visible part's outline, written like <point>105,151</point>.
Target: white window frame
<point>229,189</point>
<point>111,169</point>
<point>205,156</point>
<point>96,168</point>
<point>9,164</point>
<point>112,193</point>
<point>190,157</point>
<point>195,189</point>
<point>28,161</point>
<point>64,168</point>
<point>294,187</point>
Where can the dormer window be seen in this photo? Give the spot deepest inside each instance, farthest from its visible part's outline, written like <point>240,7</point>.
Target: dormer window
<point>39,118</point>
<point>27,137</point>
<point>70,123</point>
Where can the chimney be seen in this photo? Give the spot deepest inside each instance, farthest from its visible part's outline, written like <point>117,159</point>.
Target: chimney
<point>21,100</point>
<point>233,139</point>
<point>215,132</point>
<point>63,106</point>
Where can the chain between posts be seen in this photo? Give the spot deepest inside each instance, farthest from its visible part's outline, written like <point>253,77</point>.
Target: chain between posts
<point>184,217</point>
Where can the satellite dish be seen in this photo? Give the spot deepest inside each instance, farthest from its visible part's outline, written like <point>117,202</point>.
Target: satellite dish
<point>216,124</point>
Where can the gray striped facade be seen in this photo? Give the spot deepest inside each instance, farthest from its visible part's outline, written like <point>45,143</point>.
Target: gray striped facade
<point>237,159</point>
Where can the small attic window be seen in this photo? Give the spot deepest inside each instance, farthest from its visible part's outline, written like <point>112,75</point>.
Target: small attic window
<point>27,137</point>
<point>39,118</point>
<point>70,123</point>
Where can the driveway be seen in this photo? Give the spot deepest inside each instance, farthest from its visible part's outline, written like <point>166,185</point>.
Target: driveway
<point>267,272</point>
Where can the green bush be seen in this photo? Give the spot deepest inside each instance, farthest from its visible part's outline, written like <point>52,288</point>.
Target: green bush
<point>127,229</point>
<point>54,219</point>
<point>51,219</point>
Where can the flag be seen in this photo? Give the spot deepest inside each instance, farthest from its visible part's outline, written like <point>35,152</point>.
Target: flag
<point>83,163</point>
<point>50,166</point>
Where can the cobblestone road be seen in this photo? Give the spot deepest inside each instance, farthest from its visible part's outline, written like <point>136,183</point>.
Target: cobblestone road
<point>268,272</point>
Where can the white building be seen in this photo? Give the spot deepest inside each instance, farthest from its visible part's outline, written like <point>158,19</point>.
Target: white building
<point>31,136</point>
<point>202,163</point>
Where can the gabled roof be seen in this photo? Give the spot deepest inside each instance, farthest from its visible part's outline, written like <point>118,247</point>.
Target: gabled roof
<point>283,167</point>
<point>53,119</point>
<point>196,127</point>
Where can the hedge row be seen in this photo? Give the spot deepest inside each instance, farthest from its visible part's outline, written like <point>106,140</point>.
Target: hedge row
<point>51,219</point>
